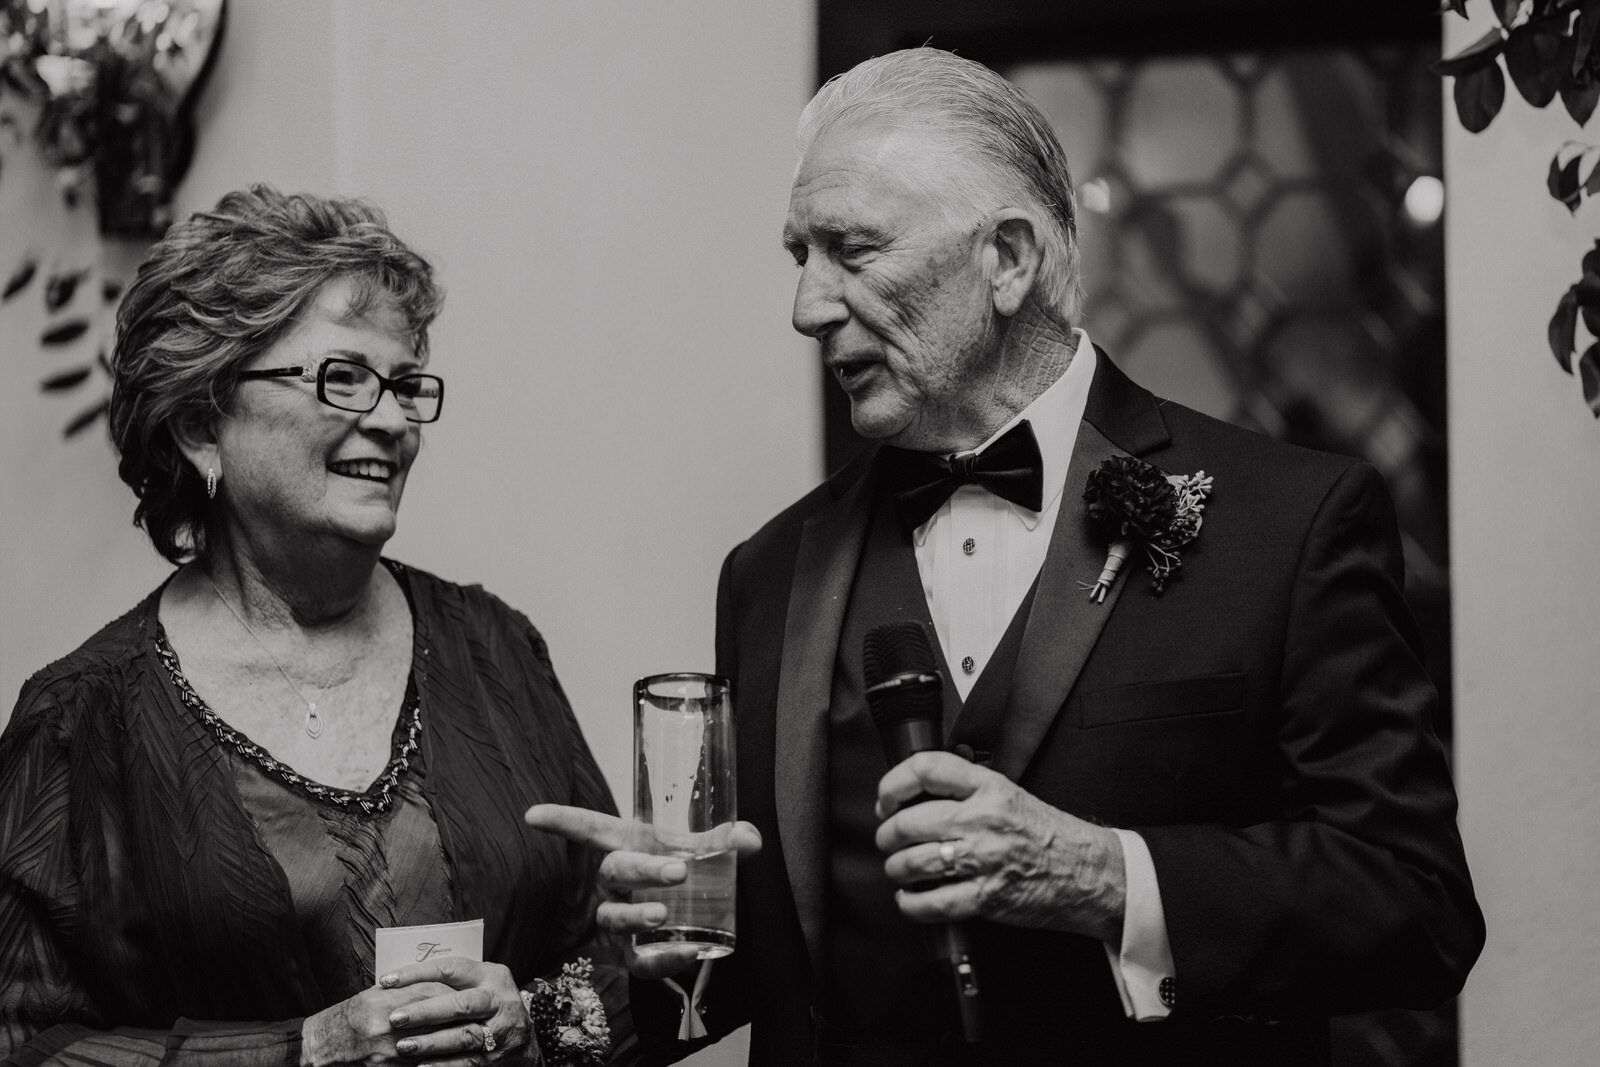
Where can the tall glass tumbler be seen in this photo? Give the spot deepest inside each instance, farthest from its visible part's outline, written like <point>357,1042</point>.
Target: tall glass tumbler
<point>683,789</point>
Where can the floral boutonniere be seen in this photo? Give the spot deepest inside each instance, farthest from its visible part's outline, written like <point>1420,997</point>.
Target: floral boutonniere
<point>569,1019</point>
<point>1134,502</point>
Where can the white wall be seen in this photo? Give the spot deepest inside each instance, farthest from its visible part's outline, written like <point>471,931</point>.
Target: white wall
<point>1525,521</point>
<point>601,186</point>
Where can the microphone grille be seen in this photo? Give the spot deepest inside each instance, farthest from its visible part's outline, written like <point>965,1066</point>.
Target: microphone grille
<point>892,650</point>
<point>896,648</point>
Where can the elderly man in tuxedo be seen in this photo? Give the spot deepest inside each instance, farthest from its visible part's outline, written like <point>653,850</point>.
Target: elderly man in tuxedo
<point>1183,817</point>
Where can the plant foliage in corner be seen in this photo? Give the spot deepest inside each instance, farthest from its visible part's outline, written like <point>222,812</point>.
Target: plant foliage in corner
<point>105,91</point>
<point>113,83</point>
<point>1548,49</point>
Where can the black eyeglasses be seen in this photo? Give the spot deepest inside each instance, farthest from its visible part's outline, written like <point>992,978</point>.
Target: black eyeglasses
<point>351,386</point>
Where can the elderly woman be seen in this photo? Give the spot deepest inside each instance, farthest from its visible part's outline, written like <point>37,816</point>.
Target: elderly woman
<point>210,807</point>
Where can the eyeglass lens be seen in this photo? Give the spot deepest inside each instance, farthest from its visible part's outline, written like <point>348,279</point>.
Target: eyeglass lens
<point>357,387</point>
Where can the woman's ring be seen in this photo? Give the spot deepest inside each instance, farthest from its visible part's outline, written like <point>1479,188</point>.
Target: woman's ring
<point>947,854</point>
<point>488,1039</point>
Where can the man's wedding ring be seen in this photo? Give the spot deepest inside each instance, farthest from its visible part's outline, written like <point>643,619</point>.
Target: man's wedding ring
<point>488,1039</point>
<point>947,854</point>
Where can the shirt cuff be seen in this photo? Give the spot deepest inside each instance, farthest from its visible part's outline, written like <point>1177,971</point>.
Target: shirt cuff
<point>1146,954</point>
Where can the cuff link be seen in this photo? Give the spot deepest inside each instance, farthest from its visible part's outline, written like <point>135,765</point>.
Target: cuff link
<point>1168,991</point>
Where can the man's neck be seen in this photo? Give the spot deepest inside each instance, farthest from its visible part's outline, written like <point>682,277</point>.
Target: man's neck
<point>1032,352</point>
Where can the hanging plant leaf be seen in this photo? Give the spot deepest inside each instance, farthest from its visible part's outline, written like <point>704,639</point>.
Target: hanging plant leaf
<point>1583,40</point>
<point>1475,56</point>
<point>1563,331</point>
<point>1458,6</point>
<point>1587,292</point>
<point>1563,181</point>
<point>1506,11</point>
<point>105,364</point>
<point>1589,374</point>
<point>1580,94</point>
<point>1533,59</point>
<point>84,419</point>
<point>20,278</point>
<point>65,380</point>
<point>70,330</point>
<point>58,291</point>
<point>1478,97</point>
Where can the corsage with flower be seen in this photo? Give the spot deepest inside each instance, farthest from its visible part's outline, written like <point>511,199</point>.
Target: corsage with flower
<point>569,1019</point>
<point>1137,503</point>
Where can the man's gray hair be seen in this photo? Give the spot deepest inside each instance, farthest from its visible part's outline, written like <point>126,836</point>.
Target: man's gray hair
<point>1003,151</point>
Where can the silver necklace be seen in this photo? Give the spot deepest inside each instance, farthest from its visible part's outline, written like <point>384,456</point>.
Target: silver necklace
<point>313,719</point>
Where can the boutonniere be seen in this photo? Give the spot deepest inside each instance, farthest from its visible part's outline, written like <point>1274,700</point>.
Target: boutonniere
<point>1137,503</point>
<point>569,1019</point>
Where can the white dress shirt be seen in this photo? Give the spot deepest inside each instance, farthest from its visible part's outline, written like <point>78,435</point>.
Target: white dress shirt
<point>978,556</point>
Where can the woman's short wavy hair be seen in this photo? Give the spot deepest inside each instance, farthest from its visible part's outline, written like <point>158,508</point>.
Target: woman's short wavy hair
<point>1003,150</point>
<point>218,290</point>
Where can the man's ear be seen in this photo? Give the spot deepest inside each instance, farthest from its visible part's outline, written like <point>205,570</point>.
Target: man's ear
<point>1015,256</point>
<point>198,443</point>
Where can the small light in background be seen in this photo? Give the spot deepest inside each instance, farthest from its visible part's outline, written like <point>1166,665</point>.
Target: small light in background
<point>1095,195</point>
<point>1424,201</point>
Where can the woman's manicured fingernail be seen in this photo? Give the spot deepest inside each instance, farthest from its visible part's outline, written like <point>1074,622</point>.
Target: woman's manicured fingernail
<point>388,981</point>
<point>675,871</point>
<point>405,1046</point>
<point>400,1018</point>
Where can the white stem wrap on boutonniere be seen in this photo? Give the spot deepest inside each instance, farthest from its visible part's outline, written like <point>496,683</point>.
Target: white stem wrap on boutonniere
<point>1137,503</point>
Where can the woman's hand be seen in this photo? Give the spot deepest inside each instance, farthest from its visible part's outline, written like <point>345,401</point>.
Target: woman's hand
<point>480,1019</point>
<point>358,1030</point>
<point>436,1012</point>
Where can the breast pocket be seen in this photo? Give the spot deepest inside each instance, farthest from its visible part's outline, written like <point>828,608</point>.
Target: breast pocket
<point>1211,694</point>
<point>1167,751</point>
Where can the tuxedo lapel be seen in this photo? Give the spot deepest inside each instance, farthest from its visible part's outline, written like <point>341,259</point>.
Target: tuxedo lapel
<point>825,566</point>
<point>1063,623</point>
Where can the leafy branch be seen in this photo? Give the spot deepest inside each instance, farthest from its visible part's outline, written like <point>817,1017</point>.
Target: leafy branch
<point>1547,48</point>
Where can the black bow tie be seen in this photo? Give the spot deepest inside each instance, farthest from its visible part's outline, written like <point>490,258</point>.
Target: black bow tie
<point>1009,468</point>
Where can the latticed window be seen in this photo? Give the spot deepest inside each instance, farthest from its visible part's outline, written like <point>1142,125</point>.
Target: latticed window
<point>1261,241</point>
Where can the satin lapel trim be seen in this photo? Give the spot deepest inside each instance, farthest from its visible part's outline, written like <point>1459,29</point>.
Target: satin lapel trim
<point>1064,623</point>
<point>825,567</point>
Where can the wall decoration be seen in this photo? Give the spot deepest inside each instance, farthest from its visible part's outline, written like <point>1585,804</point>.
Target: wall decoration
<point>101,93</point>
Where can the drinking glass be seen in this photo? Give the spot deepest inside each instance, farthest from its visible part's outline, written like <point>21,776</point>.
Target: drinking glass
<point>683,790</point>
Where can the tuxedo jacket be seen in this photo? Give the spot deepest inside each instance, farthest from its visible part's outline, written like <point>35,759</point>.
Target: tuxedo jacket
<point>1264,724</point>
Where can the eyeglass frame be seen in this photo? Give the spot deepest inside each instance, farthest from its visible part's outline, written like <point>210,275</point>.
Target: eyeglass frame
<point>319,374</point>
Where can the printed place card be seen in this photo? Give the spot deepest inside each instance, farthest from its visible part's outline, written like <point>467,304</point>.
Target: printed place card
<point>396,946</point>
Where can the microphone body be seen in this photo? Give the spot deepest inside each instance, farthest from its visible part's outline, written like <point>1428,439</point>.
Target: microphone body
<point>903,692</point>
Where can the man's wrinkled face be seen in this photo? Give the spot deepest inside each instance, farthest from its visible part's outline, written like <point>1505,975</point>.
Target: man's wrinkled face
<point>891,288</point>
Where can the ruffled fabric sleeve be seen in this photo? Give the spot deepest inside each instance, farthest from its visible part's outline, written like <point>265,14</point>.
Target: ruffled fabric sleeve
<point>38,883</point>
<point>49,1009</point>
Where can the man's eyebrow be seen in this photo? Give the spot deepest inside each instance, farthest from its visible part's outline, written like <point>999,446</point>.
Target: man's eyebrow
<point>834,231</point>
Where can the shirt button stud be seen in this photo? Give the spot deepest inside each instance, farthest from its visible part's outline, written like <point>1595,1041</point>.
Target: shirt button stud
<point>969,546</point>
<point>968,665</point>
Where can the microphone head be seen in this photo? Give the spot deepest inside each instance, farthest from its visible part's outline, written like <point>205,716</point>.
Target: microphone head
<point>901,674</point>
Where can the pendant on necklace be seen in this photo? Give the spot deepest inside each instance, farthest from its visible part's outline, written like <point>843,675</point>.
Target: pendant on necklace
<point>313,720</point>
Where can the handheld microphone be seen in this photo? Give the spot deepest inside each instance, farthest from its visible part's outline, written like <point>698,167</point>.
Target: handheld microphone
<point>903,692</point>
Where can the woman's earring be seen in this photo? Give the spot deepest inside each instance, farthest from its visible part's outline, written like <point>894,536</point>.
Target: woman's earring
<point>211,483</point>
